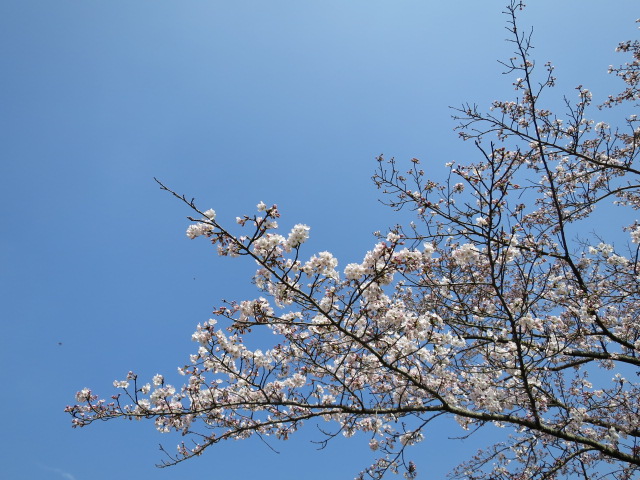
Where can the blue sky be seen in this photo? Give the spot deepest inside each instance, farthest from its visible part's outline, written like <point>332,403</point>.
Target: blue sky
<point>233,103</point>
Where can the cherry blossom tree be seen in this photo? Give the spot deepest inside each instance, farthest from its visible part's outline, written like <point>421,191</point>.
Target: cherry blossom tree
<point>494,306</point>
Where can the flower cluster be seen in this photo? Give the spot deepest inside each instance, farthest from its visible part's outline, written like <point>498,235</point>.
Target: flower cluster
<point>299,234</point>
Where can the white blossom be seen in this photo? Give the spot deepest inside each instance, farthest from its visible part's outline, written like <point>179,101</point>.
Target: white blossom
<point>83,395</point>
<point>393,237</point>
<point>466,254</point>
<point>298,235</point>
<point>428,249</point>
<point>354,271</point>
<point>199,229</point>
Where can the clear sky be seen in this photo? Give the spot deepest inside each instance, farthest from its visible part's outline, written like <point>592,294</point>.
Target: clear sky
<point>231,102</point>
